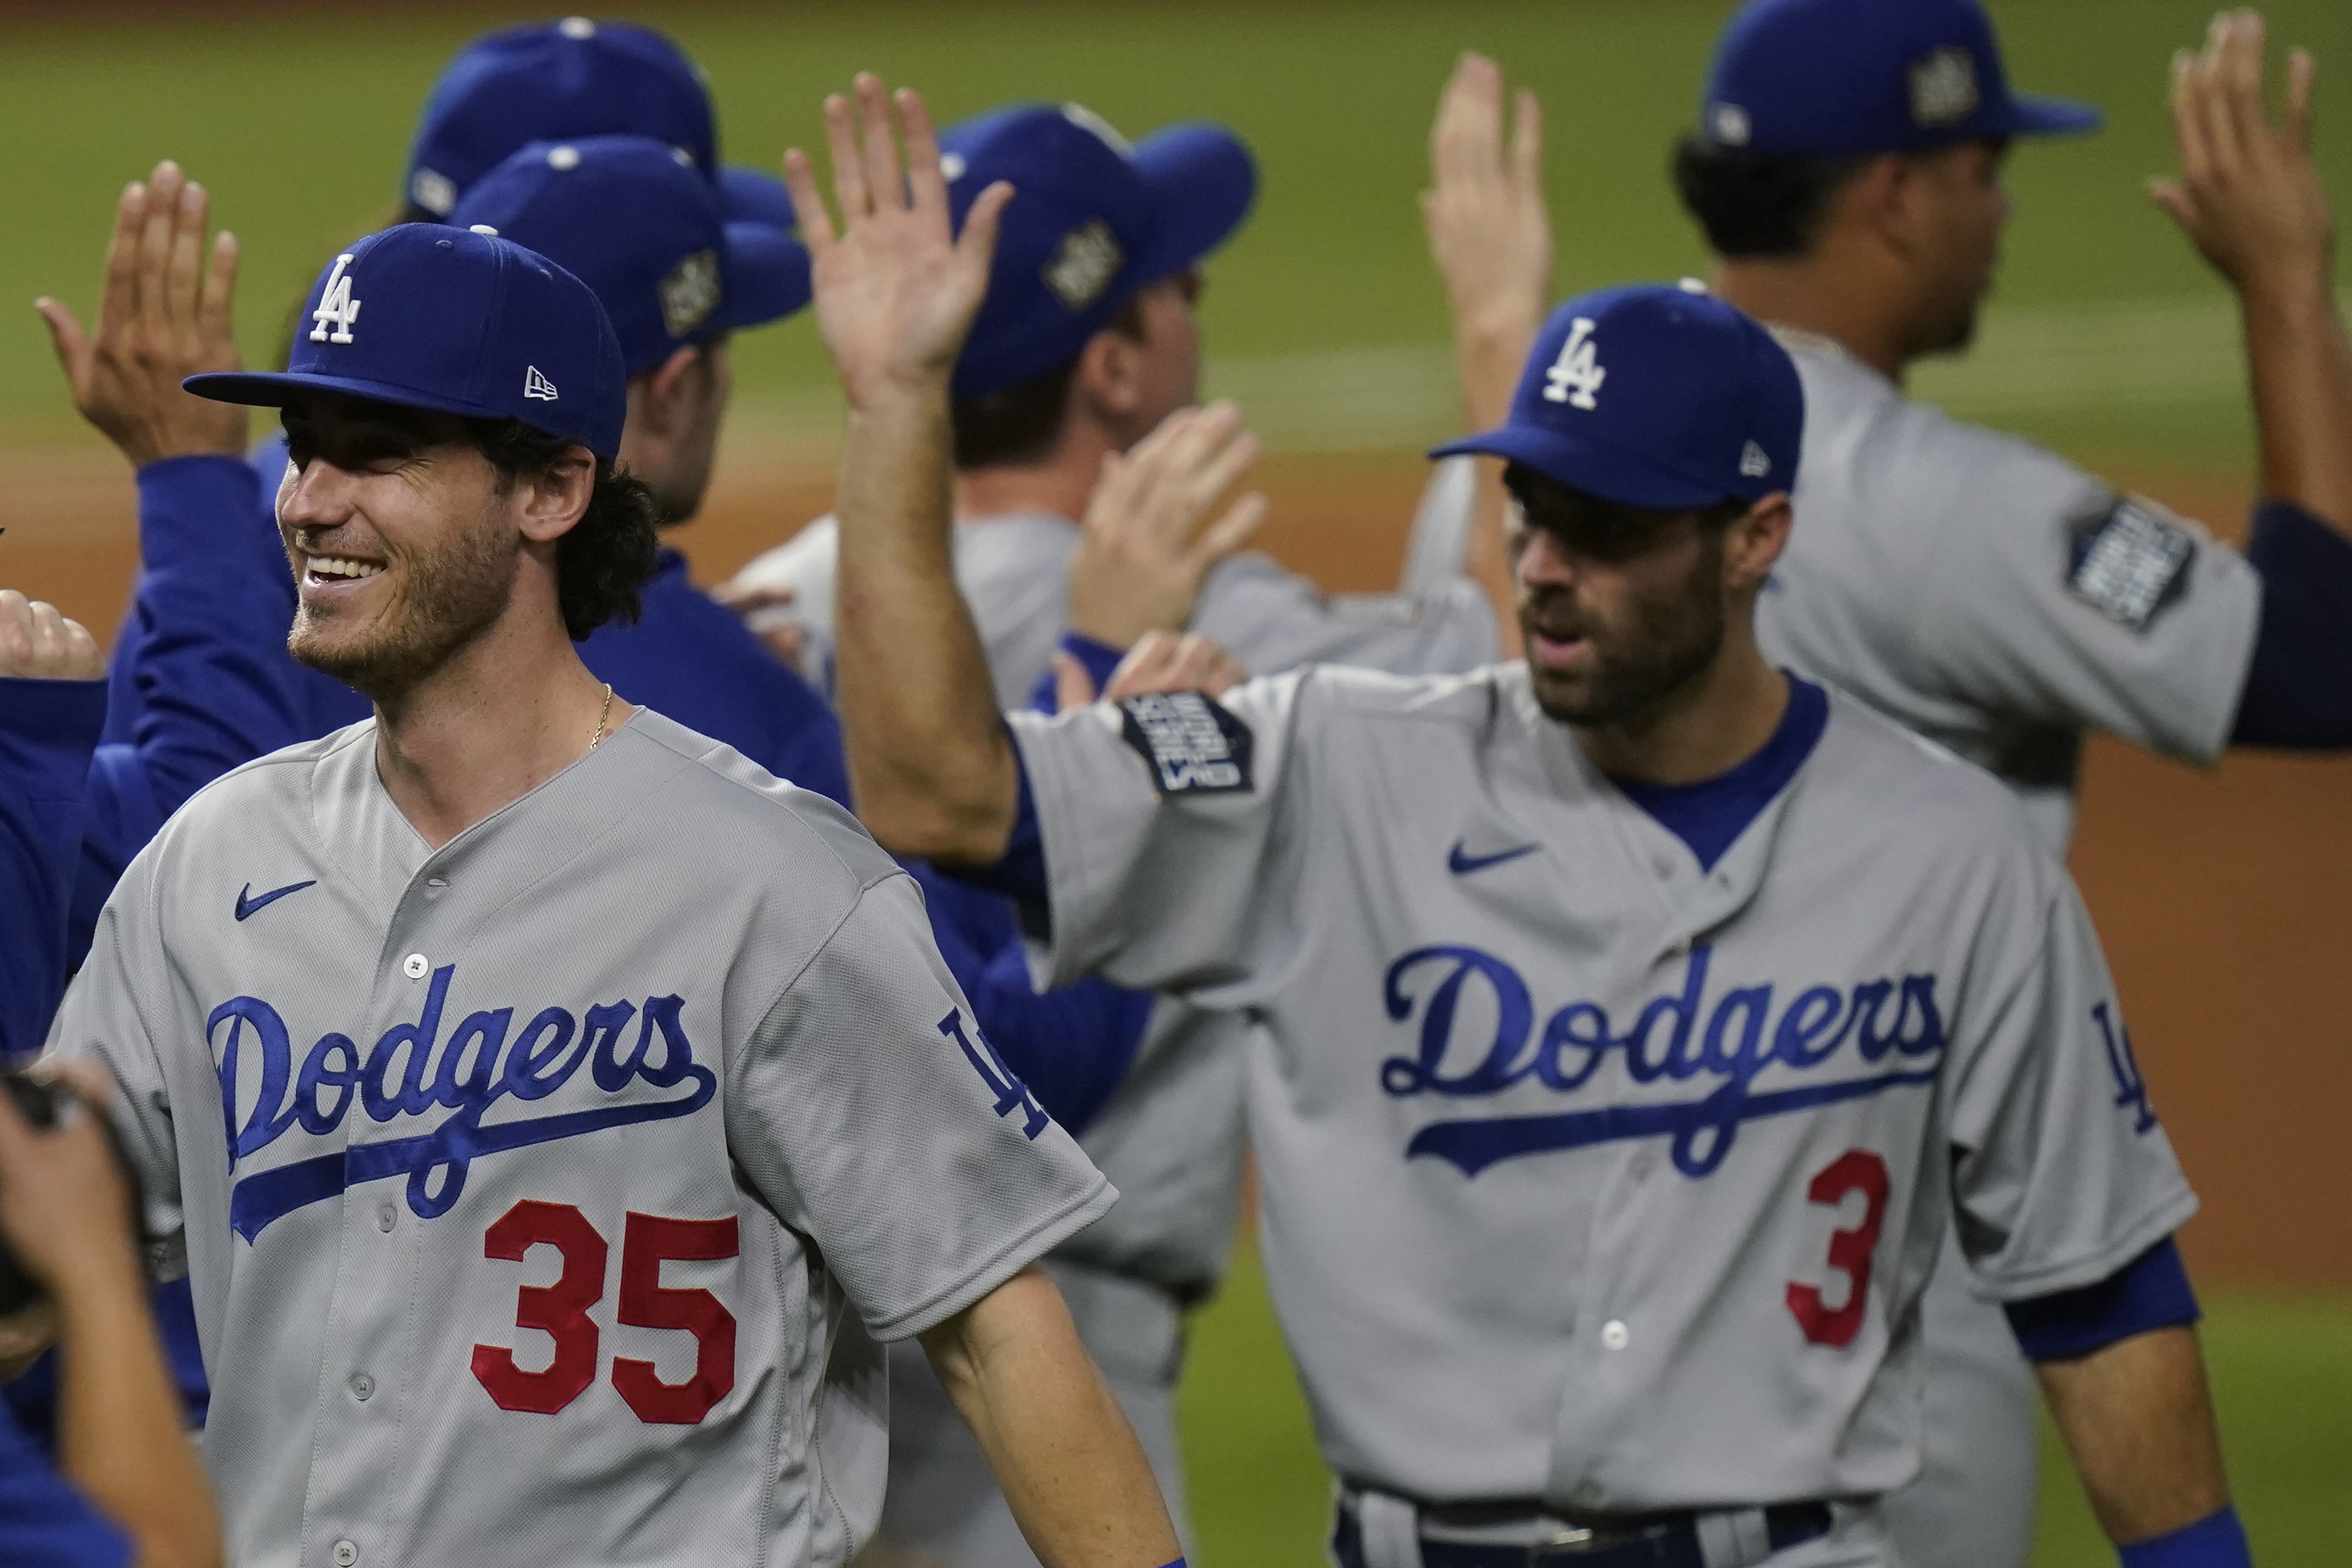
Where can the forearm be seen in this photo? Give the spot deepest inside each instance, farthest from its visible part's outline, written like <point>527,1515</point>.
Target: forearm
<point>1489,351</point>
<point>2138,1419</point>
<point>122,1437</point>
<point>929,763</point>
<point>2300,363</point>
<point>1064,1454</point>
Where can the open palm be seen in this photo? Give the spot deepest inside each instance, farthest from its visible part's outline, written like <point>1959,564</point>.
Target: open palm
<point>896,288</point>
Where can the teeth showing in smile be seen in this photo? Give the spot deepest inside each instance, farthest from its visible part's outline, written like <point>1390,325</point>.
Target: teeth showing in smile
<point>334,565</point>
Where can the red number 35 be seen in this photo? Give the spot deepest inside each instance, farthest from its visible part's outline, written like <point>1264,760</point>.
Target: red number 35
<point>561,1311</point>
<point>1856,1170</point>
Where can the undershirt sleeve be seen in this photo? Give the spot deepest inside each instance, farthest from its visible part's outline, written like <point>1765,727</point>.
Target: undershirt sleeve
<point>2298,690</point>
<point>2151,1291</point>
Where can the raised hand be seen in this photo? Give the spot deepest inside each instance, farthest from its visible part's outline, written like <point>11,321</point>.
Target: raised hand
<point>164,315</point>
<point>2249,196</point>
<point>1160,661</point>
<point>39,645</point>
<point>1145,551</point>
<point>1489,231</point>
<point>896,288</point>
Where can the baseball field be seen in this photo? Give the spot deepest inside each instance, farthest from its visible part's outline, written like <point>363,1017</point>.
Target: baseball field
<point>2225,897</point>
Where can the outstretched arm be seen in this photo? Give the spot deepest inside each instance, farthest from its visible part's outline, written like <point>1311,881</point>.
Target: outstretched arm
<point>2249,198</point>
<point>2138,1419</point>
<point>1068,1462</point>
<point>929,763</point>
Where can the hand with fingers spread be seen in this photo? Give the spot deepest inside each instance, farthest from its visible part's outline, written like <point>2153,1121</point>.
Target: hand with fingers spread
<point>896,288</point>
<point>2249,196</point>
<point>1489,231</point>
<point>38,644</point>
<point>1167,662</point>
<point>1145,549</point>
<point>165,316</point>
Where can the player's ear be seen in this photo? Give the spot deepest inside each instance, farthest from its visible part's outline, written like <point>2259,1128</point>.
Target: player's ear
<point>1109,376</point>
<point>661,400</point>
<point>1884,199</point>
<point>554,499</point>
<point>1753,542</point>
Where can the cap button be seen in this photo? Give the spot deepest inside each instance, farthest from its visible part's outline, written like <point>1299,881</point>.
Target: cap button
<point>576,28</point>
<point>485,229</point>
<point>681,157</point>
<point>565,157</point>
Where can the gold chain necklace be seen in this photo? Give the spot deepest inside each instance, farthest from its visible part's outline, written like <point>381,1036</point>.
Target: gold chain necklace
<point>602,715</point>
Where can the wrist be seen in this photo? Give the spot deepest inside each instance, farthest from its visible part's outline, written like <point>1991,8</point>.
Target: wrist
<point>2216,1541</point>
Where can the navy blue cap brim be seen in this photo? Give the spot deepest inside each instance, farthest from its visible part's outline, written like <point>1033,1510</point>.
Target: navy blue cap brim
<point>275,389</point>
<point>1205,180</point>
<point>767,276</point>
<point>755,196</point>
<point>1608,472</point>
<point>2032,115</point>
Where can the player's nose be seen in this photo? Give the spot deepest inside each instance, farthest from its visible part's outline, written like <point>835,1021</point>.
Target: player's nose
<point>1544,561</point>
<point>318,496</point>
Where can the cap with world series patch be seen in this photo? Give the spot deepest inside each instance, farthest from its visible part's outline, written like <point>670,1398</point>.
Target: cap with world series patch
<point>1653,396</point>
<point>554,81</point>
<point>426,316</point>
<point>1853,77</point>
<point>1092,220</point>
<point>638,225</point>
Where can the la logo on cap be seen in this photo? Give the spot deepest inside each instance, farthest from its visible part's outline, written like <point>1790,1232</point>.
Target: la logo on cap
<point>1576,376</point>
<point>337,308</point>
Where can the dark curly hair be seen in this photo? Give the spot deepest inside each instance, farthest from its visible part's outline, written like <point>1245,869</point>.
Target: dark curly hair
<point>1760,205</point>
<point>608,554</point>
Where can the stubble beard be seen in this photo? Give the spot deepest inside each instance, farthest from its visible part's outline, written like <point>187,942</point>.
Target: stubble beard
<point>1671,641</point>
<point>446,601</point>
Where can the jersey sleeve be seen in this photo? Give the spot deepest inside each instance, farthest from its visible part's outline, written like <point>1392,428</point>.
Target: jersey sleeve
<point>2049,597</point>
<point>44,1522</point>
<point>2062,1173</point>
<point>48,730</point>
<point>877,1120</point>
<point>1274,620</point>
<point>106,1015</point>
<point>1166,846</point>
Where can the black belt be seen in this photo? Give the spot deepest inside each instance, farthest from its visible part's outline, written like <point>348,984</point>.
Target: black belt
<point>1650,1541</point>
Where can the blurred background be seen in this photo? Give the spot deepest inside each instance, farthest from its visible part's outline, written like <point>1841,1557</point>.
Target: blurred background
<point>2225,897</point>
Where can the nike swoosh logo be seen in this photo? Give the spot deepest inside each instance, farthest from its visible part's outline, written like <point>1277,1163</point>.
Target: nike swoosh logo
<point>246,904</point>
<point>1462,864</point>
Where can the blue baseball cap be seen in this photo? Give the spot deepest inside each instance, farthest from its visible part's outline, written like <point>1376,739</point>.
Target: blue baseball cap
<point>639,225</point>
<point>1856,77</point>
<point>1094,219</point>
<point>1653,396</point>
<point>426,316</point>
<point>558,81</point>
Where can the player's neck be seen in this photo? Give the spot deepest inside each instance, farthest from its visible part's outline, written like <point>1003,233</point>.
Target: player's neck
<point>1822,296</point>
<point>1057,484</point>
<point>1709,726</point>
<point>507,712</point>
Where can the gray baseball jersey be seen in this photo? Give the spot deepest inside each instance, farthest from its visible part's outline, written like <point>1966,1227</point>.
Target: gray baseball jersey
<point>540,1192</point>
<point>1982,591</point>
<point>1588,1175</point>
<point>1993,597</point>
<point>1014,573</point>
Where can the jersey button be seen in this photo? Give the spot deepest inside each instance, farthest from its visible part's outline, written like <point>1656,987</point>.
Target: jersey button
<point>363,1385</point>
<point>385,1216</point>
<point>416,966</point>
<point>1615,1335</point>
<point>345,1553</point>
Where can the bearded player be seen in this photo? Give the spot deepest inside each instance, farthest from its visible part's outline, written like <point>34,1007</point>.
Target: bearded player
<point>588,1095</point>
<point>1631,1023</point>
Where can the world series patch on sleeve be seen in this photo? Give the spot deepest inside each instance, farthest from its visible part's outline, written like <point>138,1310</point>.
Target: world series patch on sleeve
<point>1194,744</point>
<point>2131,563</point>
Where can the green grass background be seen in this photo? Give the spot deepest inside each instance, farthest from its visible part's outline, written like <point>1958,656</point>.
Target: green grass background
<point>300,120</point>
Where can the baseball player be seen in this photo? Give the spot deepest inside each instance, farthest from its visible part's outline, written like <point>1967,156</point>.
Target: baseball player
<point>504,1000</point>
<point>1975,589</point>
<point>1631,1023</point>
<point>1071,402</point>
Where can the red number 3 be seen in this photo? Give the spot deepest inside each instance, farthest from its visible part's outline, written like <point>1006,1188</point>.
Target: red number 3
<point>1856,1170</point>
<point>561,1311</point>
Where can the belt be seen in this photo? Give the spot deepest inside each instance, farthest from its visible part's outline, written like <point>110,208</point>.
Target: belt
<point>1731,1538</point>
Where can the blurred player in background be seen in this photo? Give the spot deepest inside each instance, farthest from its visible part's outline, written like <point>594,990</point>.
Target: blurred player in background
<point>1600,1295</point>
<point>1982,591</point>
<point>1086,483</point>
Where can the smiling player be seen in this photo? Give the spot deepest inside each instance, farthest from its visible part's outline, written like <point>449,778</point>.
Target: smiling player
<point>587,1096</point>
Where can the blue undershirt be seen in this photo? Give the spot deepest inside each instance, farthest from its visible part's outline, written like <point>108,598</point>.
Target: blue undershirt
<point>1710,815</point>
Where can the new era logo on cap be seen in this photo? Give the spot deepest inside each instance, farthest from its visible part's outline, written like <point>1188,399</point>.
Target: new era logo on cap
<point>537,385</point>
